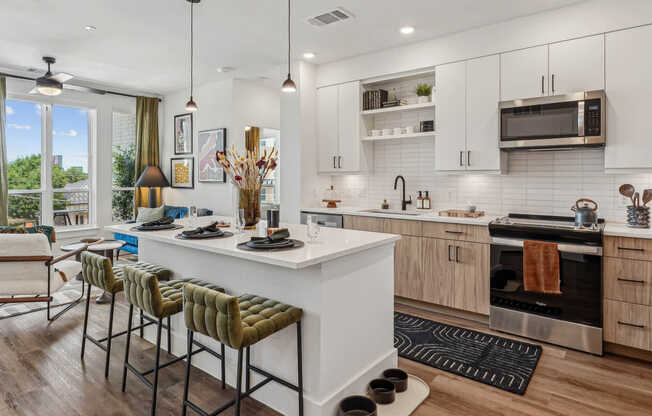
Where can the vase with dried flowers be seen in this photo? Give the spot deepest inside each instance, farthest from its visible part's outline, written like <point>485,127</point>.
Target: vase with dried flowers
<point>248,172</point>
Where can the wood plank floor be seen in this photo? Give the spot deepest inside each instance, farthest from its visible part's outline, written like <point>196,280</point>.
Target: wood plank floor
<point>41,374</point>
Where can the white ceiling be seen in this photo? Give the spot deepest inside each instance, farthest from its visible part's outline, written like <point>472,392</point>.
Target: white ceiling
<point>143,45</point>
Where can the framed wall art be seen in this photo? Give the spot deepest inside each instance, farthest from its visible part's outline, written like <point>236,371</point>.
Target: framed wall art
<point>182,172</point>
<point>183,134</point>
<point>210,141</point>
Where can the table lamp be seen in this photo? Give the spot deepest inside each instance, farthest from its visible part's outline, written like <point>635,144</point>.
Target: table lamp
<point>152,177</point>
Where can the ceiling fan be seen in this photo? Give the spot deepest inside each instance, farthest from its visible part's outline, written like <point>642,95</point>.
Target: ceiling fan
<point>50,84</point>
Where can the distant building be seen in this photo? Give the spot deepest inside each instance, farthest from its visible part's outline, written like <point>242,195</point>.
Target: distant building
<point>57,160</point>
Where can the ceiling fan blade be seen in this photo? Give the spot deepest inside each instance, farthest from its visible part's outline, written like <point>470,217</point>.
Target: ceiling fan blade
<point>61,77</point>
<point>34,91</point>
<point>83,89</point>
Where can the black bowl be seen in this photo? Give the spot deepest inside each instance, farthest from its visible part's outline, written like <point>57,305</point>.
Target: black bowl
<point>382,391</point>
<point>398,377</point>
<point>357,406</point>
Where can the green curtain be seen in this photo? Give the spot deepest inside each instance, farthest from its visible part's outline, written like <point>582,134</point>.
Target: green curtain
<point>4,185</point>
<point>147,151</point>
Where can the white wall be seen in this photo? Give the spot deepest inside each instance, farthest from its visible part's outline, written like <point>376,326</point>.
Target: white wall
<point>232,104</point>
<point>582,19</point>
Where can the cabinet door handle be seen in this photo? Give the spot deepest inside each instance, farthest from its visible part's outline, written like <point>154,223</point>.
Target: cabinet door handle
<point>454,232</point>
<point>334,162</point>
<point>642,282</point>
<point>543,80</point>
<point>449,253</point>
<point>457,254</point>
<point>339,162</point>
<point>631,249</point>
<point>553,83</point>
<point>628,324</point>
<point>461,156</point>
<point>468,158</point>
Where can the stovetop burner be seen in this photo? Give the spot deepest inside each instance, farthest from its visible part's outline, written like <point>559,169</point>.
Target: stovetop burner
<point>547,228</point>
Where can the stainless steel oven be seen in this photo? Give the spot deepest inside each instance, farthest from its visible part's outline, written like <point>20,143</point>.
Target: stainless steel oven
<point>561,121</point>
<point>572,318</point>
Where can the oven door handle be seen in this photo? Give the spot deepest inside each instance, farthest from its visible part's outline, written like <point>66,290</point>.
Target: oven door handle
<point>564,248</point>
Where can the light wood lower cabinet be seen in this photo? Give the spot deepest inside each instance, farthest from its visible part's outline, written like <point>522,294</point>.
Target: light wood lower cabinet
<point>373,224</point>
<point>456,274</point>
<point>408,268</point>
<point>627,324</point>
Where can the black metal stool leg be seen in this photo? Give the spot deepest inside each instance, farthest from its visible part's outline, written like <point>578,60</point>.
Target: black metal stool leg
<point>247,371</point>
<point>108,340</point>
<point>156,365</point>
<point>88,303</point>
<point>142,322</point>
<point>169,331</point>
<point>189,337</point>
<point>300,368</point>
<point>238,383</point>
<point>124,369</point>
<point>223,364</point>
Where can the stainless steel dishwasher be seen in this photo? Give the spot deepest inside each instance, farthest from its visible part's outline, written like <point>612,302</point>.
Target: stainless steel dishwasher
<point>325,220</point>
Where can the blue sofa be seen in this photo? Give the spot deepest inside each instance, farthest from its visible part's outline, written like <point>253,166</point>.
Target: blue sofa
<point>132,242</point>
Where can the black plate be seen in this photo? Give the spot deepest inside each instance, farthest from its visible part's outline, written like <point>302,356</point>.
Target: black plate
<point>295,244</point>
<point>204,236</point>
<point>270,244</point>
<point>157,227</point>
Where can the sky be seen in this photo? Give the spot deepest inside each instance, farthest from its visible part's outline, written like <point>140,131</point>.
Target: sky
<point>69,135</point>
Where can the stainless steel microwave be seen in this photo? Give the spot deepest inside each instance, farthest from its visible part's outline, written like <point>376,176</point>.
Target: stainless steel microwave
<point>560,121</point>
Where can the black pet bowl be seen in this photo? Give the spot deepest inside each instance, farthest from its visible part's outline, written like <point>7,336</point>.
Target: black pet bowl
<point>382,391</point>
<point>357,406</point>
<point>398,377</point>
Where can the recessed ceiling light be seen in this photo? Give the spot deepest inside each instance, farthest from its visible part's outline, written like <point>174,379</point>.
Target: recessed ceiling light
<point>308,55</point>
<point>407,30</point>
<point>90,28</point>
<point>225,69</point>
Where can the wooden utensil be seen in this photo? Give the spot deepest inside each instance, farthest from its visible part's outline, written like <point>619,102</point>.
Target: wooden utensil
<point>647,196</point>
<point>637,200</point>
<point>628,191</point>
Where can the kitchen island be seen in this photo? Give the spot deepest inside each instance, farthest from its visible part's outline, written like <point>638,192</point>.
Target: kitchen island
<point>344,282</point>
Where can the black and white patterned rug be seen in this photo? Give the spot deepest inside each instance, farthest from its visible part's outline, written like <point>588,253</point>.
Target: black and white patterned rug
<point>497,361</point>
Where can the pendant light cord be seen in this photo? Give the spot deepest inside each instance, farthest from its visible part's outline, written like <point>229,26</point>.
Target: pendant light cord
<point>289,37</point>
<point>192,46</point>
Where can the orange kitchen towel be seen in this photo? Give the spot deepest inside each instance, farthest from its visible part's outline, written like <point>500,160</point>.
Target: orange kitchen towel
<point>541,267</point>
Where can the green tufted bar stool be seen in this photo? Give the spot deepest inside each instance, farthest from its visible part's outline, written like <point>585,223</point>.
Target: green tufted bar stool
<point>160,300</point>
<point>238,322</point>
<point>97,271</point>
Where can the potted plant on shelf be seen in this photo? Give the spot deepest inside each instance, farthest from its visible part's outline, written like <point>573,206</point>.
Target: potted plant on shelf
<point>423,93</point>
<point>248,172</point>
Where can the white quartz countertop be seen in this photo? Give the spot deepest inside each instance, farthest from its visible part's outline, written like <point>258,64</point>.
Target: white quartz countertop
<point>421,215</point>
<point>332,243</point>
<point>620,229</point>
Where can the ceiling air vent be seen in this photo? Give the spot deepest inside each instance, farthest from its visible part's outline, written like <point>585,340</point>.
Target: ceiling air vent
<point>334,16</point>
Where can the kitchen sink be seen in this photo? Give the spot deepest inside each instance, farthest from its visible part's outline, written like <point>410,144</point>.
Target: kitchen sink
<point>392,212</point>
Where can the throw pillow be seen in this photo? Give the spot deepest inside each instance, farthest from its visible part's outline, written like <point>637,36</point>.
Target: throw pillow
<point>149,214</point>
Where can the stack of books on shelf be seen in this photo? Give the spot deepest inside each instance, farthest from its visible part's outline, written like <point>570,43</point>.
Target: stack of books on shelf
<point>394,103</point>
<point>373,99</point>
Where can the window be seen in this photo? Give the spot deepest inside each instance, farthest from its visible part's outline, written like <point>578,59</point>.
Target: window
<point>270,138</point>
<point>47,167</point>
<point>124,166</point>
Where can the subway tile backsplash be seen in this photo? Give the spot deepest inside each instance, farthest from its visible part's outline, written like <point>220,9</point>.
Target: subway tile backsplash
<point>536,183</point>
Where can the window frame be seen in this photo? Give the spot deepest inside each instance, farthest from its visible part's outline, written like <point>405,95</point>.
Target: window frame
<point>123,112</point>
<point>46,190</point>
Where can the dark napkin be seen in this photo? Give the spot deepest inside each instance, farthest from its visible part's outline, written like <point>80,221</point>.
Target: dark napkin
<point>162,221</point>
<point>211,228</point>
<point>282,234</point>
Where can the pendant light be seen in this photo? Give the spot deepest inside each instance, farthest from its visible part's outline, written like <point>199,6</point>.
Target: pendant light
<point>289,85</point>
<point>191,105</point>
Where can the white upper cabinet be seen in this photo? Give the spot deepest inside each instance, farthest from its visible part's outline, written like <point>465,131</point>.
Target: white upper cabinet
<point>628,66</point>
<point>450,117</point>
<point>349,127</point>
<point>524,73</point>
<point>327,128</point>
<point>338,128</point>
<point>577,65</point>
<point>482,96</point>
